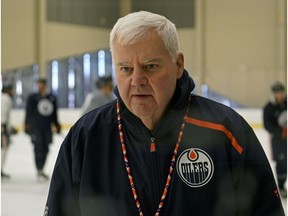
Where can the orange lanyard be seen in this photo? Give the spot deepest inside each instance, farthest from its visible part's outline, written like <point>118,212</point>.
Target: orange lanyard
<point>128,169</point>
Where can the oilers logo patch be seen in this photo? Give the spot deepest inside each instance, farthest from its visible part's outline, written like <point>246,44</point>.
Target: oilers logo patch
<point>195,167</point>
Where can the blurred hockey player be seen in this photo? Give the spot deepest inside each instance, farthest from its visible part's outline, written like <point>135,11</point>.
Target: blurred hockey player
<point>275,122</point>
<point>102,95</point>
<point>41,115</point>
<point>6,106</point>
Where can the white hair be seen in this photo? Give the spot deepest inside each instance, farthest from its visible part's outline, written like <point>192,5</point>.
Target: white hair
<point>135,26</point>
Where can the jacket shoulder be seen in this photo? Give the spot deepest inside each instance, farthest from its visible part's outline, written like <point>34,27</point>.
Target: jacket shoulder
<point>207,108</point>
<point>100,117</point>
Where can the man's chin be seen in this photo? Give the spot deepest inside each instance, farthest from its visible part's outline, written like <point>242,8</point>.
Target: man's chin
<point>141,110</point>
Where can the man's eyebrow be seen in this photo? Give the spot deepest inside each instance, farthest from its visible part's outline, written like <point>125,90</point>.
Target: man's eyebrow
<point>147,61</point>
<point>152,60</point>
<point>123,64</point>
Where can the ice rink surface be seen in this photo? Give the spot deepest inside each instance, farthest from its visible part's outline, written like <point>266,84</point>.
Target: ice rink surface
<point>24,195</point>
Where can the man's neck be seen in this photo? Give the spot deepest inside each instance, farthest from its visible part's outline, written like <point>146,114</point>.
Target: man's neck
<point>42,93</point>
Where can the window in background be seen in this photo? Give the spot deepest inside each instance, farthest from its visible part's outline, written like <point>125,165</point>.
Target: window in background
<point>70,79</point>
<point>54,77</point>
<point>77,76</point>
<point>101,63</point>
<point>23,81</point>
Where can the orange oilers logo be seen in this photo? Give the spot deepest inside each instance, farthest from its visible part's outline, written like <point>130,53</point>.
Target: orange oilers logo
<point>195,167</point>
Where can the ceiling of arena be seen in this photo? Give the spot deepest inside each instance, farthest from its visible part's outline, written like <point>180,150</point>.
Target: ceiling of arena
<point>104,13</point>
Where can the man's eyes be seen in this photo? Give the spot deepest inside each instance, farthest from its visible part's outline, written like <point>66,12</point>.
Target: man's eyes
<point>148,67</point>
<point>151,67</point>
<point>126,69</point>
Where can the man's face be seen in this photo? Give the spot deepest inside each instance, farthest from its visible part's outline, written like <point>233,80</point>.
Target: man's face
<point>41,87</point>
<point>146,76</point>
<point>279,96</point>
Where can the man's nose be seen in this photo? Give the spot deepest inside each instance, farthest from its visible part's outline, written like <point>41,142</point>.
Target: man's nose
<point>138,77</point>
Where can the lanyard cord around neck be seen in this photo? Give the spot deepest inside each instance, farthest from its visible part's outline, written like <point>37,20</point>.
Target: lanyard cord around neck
<point>172,164</point>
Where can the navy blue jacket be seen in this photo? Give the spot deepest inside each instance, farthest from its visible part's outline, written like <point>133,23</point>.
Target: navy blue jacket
<point>221,168</point>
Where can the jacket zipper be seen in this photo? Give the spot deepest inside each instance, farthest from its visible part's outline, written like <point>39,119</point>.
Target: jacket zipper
<point>156,193</point>
<point>152,145</point>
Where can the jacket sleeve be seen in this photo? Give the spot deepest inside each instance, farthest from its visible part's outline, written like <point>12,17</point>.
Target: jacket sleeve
<point>64,188</point>
<point>256,188</point>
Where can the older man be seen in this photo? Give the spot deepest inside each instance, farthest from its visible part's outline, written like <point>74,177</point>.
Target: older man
<point>159,149</point>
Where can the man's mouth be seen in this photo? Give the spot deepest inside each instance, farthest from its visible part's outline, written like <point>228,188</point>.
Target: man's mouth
<point>140,96</point>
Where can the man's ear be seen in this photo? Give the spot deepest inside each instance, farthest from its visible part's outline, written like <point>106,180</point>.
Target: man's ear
<point>180,64</point>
